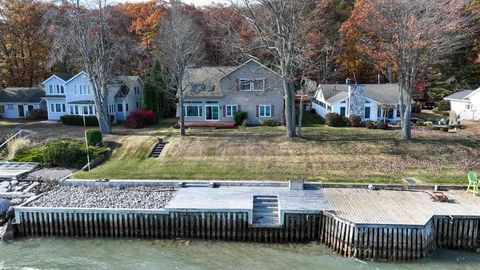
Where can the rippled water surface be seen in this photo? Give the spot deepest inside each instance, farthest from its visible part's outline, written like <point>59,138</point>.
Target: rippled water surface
<point>51,253</point>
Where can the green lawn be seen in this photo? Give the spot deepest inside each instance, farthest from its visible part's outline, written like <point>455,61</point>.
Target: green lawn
<point>324,154</point>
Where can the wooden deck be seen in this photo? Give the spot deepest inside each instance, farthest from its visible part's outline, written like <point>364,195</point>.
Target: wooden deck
<point>363,206</point>
<point>215,124</point>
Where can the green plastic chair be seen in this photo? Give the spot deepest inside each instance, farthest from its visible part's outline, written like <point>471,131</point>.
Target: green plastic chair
<point>472,183</point>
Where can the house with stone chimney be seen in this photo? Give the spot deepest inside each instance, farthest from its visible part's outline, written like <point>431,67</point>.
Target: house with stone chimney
<point>375,102</point>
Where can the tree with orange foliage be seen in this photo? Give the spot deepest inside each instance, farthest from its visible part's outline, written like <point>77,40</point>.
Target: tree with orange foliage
<point>410,37</point>
<point>23,48</point>
<point>145,17</point>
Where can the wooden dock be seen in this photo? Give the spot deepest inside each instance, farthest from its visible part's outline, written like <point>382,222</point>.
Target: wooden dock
<point>354,222</point>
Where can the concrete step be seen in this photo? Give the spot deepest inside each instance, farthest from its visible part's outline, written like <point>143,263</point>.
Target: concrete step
<point>265,211</point>
<point>265,206</point>
<point>269,213</point>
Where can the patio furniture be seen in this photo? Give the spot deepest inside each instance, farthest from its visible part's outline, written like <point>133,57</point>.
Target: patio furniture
<point>472,183</point>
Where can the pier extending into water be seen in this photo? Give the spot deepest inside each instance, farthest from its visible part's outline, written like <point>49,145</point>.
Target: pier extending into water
<point>388,223</point>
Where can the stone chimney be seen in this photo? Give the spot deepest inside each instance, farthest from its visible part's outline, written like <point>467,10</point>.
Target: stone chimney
<point>356,95</point>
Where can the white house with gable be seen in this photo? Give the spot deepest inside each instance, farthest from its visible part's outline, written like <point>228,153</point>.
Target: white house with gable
<point>72,95</point>
<point>373,102</point>
<point>466,104</point>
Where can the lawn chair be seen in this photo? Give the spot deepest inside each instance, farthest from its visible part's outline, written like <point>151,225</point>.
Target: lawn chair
<point>472,183</point>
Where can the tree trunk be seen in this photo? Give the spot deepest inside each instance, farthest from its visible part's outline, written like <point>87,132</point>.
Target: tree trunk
<point>182,118</point>
<point>289,113</point>
<point>102,111</point>
<point>406,127</point>
<point>300,118</point>
<point>294,111</point>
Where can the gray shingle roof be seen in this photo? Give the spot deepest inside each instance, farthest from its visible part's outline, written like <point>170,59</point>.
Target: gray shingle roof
<point>82,102</point>
<point>383,93</point>
<point>207,76</point>
<point>460,95</point>
<point>21,94</point>
<point>65,77</point>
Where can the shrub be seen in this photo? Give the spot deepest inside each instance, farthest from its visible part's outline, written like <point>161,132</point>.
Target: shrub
<point>240,117</point>
<point>244,123</point>
<point>445,129</point>
<point>69,153</point>
<point>38,114</point>
<point>443,106</point>
<point>140,119</point>
<point>428,123</point>
<point>31,154</point>
<point>335,120</point>
<point>77,120</point>
<point>355,120</point>
<point>17,145</point>
<point>416,108</point>
<point>381,125</point>
<point>269,122</point>
<point>369,124</point>
<point>94,136</point>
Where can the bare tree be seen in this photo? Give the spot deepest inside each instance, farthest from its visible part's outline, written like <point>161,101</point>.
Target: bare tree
<point>278,28</point>
<point>412,37</point>
<point>180,44</point>
<point>90,29</point>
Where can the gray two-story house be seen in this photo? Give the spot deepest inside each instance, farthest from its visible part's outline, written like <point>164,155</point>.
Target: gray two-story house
<point>216,93</point>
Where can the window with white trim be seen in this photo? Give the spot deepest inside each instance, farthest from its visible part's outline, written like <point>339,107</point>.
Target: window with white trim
<point>367,113</point>
<point>57,107</point>
<point>193,108</point>
<point>265,111</point>
<point>230,110</point>
<point>252,84</point>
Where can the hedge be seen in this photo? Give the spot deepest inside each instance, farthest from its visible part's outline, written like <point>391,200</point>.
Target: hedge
<point>336,120</point>
<point>77,120</point>
<point>66,152</point>
<point>63,152</point>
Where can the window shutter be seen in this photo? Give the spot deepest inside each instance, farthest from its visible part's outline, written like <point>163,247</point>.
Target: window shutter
<point>272,111</point>
<point>258,112</point>
<point>239,108</point>
<point>224,110</point>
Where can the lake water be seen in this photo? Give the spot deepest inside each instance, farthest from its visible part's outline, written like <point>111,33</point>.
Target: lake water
<point>51,253</point>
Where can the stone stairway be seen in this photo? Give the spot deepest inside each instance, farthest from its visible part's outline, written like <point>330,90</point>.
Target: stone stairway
<point>157,149</point>
<point>265,211</point>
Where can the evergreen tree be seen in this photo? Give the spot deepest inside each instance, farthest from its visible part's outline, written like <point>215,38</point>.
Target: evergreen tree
<point>155,97</point>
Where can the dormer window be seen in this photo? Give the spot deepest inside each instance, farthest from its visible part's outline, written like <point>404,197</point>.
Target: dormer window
<point>197,87</point>
<point>252,84</point>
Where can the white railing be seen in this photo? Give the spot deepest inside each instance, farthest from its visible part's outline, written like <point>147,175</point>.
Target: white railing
<point>18,134</point>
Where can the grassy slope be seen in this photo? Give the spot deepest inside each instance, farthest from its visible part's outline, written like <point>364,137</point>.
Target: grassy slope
<point>324,154</point>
